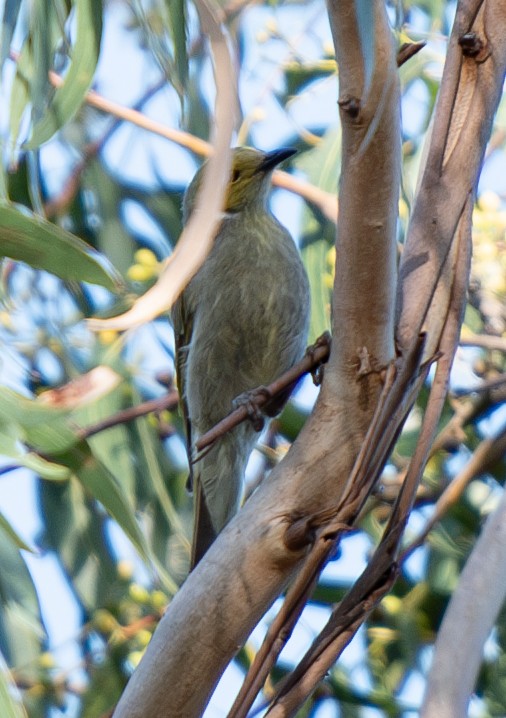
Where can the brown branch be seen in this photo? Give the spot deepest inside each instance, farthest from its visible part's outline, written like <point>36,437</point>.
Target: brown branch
<point>408,50</point>
<point>168,401</point>
<point>380,574</point>
<point>495,382</point>
<point>485,341</point>
<point>314,357</point>
<point>332,522</point>
<point>377,579</point>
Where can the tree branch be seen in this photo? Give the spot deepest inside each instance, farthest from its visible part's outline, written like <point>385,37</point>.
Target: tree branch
<point>314,358</point>
<point>458,652</point>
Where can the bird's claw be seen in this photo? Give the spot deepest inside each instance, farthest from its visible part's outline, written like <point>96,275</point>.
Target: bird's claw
<point>318,371</point>
<point>249,399</point>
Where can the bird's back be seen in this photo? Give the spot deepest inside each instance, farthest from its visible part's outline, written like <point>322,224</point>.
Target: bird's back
<point>253,328</point>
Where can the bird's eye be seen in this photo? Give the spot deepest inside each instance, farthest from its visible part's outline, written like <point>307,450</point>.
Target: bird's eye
<point>235,175</point>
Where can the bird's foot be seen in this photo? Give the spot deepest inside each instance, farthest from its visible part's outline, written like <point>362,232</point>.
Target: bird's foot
<point>324,340</point>
<point>249,399</point>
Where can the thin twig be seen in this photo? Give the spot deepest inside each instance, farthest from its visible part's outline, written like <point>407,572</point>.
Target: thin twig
<point>408,50</point>
<point>485,341</point>
<point>168,401</point>
<point>495,382</point>
<point>313,359</point>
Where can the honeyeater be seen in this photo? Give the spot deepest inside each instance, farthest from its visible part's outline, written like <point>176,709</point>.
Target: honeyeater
<point>241,322</point>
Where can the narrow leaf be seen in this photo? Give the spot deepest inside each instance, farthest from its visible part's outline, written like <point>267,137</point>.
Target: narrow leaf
<point>26,237</point>
<point>177,16</point>
<point>21,630</point>
<point>69,97</point>
<point>102,486</point>
<point>13,535</point>
<point>9,19</point>
<point>9,707</point>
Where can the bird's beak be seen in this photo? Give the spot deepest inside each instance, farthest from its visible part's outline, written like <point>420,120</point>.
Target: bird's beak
<point>272,159</point>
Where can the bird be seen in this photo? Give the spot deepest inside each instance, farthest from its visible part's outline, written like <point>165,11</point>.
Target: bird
<point>240,322</point>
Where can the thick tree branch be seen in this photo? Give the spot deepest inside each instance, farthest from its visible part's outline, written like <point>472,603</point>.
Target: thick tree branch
<point>468,622</point>
<point>466,105</point>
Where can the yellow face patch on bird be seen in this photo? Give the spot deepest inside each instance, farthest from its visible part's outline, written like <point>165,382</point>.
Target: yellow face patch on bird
<point>249,178</point>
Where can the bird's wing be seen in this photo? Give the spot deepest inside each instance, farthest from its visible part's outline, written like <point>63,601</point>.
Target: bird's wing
<point>203,531</point>
<point>182,321</point>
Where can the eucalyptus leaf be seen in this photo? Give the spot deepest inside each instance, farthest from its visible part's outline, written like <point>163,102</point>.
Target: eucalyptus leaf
<point>22,633</point>
<point>12,438</point>
<point>7,528</point>
<point>28,238</point>
<point>39,425</point>
<point>69,97</point>
<point>298,75</point>
<point>103,487</point>
<point>9,19</point>
<point>75,528</point>
<point>9,706</point>
<point>320,165</point>
<point>177,25</point>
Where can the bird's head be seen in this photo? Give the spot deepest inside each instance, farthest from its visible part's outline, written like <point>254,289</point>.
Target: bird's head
<point>250,178</point>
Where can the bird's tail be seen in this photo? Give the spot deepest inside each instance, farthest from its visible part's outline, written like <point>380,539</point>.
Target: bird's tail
<point>204,532</point>
<point>217,487</point>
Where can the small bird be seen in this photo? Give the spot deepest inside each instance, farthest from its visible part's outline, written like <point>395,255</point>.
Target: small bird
<point>241,322</point>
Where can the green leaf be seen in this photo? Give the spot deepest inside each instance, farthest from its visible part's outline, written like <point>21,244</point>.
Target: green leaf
<point>314,255</point>
<point>110,447</point>
<point>298,75</point>
<point>111,236</point>
<point>321,165</point>
<point>13,535</point>
<point>42,426</point>
<point>9,19</point>
<point>12,438</point>
<point>104,690</point>
<point>75,528</point>
<point>69,97</point>
<point>26,237</point>
<point>20,93</point>
<point>42,38</point>
<point>102,486</point>
<point>292,419</point>
<point>177,24</point>
<point>21,630</point>
<point>9,707</point>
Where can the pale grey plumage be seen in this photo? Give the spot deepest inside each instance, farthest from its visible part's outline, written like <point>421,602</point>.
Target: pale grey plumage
<point>240,322</point>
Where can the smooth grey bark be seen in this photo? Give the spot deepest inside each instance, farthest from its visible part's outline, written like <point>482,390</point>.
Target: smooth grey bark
<point>468,621</point>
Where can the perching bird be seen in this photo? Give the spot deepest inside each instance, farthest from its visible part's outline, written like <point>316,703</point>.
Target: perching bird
<point>240,323</point>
